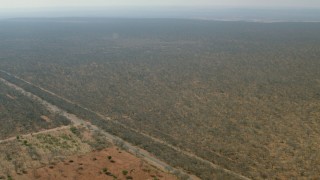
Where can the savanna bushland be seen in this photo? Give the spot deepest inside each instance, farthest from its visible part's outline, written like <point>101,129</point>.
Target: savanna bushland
<point>242,95</point>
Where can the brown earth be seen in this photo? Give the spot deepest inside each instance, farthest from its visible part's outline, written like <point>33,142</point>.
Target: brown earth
<point>45,118</point>
<point>97,165</point>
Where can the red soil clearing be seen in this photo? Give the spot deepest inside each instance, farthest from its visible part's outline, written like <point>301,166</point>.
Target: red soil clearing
<point>98,165</point>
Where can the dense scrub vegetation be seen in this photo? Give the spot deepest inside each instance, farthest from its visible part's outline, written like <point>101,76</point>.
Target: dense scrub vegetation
<point>203,170</point>
<point>20,115</point>
<point>242,95</point>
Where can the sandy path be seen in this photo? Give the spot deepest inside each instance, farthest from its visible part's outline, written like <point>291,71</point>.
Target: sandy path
<point>35,133</point>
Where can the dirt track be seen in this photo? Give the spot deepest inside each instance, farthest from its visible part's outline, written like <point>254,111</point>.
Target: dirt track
<point>35,133</point>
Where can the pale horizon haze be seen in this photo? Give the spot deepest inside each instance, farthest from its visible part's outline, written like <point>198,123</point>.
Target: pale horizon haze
<point>251,10</point>
<point>13,4</point>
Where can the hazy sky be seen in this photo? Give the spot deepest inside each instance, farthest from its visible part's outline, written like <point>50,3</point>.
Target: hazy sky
<point>80,3</point>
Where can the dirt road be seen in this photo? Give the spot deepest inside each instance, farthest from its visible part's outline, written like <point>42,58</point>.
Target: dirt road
<point>133,149</point>
<point>77,121</point>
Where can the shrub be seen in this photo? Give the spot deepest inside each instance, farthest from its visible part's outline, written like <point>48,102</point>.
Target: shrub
<point>125,172</point>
